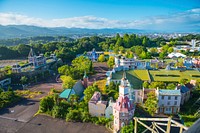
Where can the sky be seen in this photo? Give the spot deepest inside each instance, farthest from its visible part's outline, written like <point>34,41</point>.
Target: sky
<point>163,15</point>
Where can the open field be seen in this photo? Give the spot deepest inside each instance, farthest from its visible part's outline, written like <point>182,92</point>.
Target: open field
<point>142,74</point>
<point>173,75</point>
<point>136,77</point>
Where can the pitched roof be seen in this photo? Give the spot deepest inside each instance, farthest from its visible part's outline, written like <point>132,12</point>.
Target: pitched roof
<point>65,94</point>
<point>79,88</point>
<point>184,89</point>
<point>169,92</point>
<point>123,104</point>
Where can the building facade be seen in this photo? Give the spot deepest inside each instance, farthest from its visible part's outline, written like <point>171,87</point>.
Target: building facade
<point>123,109</point>
<point>123,63</point>
<point>96,106</point>
<point>168,101</point>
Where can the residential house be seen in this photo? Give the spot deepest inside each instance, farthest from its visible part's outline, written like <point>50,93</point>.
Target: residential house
<point>176,55</point>
<point>123,63</point>
<point>109,109</point>
<point>96,105</point>
<point>94,55</point>
<point>77,89</point>
<point>168,101</point>
<point>185,93</point>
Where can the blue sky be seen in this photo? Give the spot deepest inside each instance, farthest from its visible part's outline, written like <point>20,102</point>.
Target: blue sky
<point>138,14</point>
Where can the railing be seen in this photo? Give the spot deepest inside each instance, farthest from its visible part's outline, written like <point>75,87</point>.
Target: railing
<point>157,123</point>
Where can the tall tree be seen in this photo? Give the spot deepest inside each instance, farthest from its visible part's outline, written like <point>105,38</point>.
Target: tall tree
<point>151,103</point>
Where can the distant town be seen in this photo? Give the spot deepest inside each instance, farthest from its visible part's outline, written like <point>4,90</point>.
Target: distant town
<point>119,83</point>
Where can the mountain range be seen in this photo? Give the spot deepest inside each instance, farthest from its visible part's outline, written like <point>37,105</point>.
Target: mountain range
<point>21,31</point>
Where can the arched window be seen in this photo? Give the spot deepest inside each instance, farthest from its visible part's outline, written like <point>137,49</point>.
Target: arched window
<point>122,124</point>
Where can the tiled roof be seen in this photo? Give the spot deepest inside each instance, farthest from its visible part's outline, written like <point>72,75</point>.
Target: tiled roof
<point>123,104</point>
<point>169,92</point>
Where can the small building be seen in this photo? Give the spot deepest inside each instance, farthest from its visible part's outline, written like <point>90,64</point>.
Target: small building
<point>185,93</point>
<point>123,63</point>
<point>109,109</point>
<point>94,55</point>
<point>96,106</point>
<point>168,101</point>
<point>176,55</point>
<point>66,94</point>
<point>77,89</point>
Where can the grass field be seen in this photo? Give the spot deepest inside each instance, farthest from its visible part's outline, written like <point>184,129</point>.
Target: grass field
<point>142,74</point>
<point>173,75</point>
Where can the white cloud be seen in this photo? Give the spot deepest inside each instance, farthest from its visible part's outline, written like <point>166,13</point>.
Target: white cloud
<point>183,19</point>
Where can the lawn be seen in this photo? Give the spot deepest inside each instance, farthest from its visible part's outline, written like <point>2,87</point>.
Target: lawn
<point>142,74</point>
<point>173,75</point>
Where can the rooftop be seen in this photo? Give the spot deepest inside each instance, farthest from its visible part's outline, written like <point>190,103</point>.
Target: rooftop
<point>65,94</point>
<point>169,92</point>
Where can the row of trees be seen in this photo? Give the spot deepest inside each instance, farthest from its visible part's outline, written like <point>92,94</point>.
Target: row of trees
<point>8,97</point>
<point>78,67</point>
<point>67,50</point>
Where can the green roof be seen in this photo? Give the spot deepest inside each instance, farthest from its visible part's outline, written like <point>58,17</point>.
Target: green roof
<point>132,77</point>
<point>65,93</point>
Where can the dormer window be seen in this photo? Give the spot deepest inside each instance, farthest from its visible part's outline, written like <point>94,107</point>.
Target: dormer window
<point>123,106</point>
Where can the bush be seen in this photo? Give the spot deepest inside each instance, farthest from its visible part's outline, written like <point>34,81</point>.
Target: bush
<point>46,104</point>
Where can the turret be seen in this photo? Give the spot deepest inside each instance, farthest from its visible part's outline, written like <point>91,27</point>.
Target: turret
<point>85,80</point>
<point>124,88</point>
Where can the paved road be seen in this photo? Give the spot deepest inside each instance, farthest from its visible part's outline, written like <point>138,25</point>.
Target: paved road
<point>45,124</point>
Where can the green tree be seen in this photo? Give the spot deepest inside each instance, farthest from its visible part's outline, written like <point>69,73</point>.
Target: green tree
<point>170,50</point>
<point>101,58</point>
<point>24,80</point>
<point>162,55</point>
<point>111,62</point>
<point>46,104</point>
<point>156,84</point>
<point>73,115</point>
<point>143,55</point>
<point>171,86</point>
<point>128,128</point>
<point>68,82</point>
<point>145,84</point>
<point>89,91</point>
<point>151,103</point>
<point>183,81</point>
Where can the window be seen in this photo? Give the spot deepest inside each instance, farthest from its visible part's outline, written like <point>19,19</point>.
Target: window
<point>176,97</point>
<point>163,97</point>
<point>169,97</point>
<point>168,103</point>
<point>123,114</point>
<point>175,102</point>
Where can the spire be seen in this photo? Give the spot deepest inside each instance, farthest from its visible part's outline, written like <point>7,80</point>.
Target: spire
<point>124,75</point>
<point>124,81</point>
<point>31,53</point>
<point>85,75</point>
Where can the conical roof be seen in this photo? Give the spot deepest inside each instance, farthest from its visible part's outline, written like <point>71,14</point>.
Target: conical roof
<point>31,53</point>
